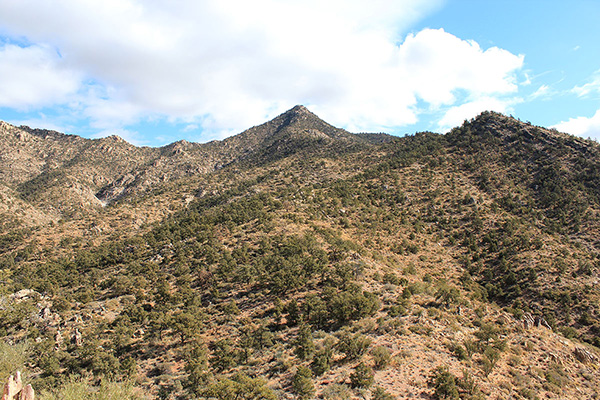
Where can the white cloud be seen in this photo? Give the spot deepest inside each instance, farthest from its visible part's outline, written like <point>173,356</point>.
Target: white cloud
<point>455,116</point>
<point>226,65</point>
<point>544,92</point>
<point>130,136</point>
<point>190,128</point>
<point>34,76</point>
<point>593,86</point>
<point>582,126</point>
<point>440,64</point>
<point>43,122</point>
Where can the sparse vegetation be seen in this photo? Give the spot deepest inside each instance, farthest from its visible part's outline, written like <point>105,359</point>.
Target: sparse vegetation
<point>298,259</point>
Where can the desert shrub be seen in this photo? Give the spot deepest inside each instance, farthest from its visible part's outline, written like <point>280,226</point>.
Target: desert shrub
<point>14,315</point>
<point>488,335</point>
<point>304,344</point>
<point>231,308</point>
<point>241,387</point>
<point>187,325</point>
<point>223,355</point>
<point>197,367</point>
<point>96,359</point>
<point>390,277</point>
<point>528,394</point>
<point>293,312</point>
<point>314,310</point>
<point>471,347</point>
<point>556,376</point>
<point>337,391</point>
<point>397,310</point>
<point>335,308</point>
<point>12,358</point>
<point>380,394</point>
<point>362,377</point>
<point>443,383</point>
<point>262,337</point>
<point>353,346</point>
<point>322,361</point>
<point>351,305</point>
<point>569,332</point>
<point>489,360</point>
<point>447,295</point>
<point>381,357</point>
<point>459,351</point>
<point>302,383</point>
<point>49,363</point>
<point>77,389</point>
<point>468,385</point>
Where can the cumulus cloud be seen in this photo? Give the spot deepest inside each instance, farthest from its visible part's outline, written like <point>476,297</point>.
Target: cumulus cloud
<point>439,64</point>
<point>455,116</point>
<point>225,65</point>
<point>582,126</point>
<point>34,76</point>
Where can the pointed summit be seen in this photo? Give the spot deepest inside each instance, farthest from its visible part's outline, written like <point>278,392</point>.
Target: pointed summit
<point>301,119</point>
<point>288,133</point>
<point>299,109</point>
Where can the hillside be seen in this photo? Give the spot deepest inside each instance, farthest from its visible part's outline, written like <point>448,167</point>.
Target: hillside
<point>297,260</point>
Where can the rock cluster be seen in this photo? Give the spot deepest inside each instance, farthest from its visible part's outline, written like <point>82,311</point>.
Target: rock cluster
<point>529,321</point>
<point>14,390</point>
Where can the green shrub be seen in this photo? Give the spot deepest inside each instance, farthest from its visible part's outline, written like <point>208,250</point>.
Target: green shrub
<point>447,295</point>
<point>380,394</point>
<point>353,346</point>
<point>12,358</point>
<point>468,385</point>
<point>459,351</point>
<point>489,360</point>
<point>390,277</point>
<point>240,387</point>
<point>197,367</point>
<point>231,308</point>
<point>322,361</point>
<point>381,357</point>
<point>362,377</point>
<point>76,389</point>
<point>223,355</point>
<point>443,383</point>
<point>302,383</point>
<point>337,391</point>
<point>305,346</point>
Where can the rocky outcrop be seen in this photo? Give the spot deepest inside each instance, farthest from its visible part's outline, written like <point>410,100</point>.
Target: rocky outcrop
<point>77,338</point>
<point>14,390</point>
<point>584,356</point>
<point>530,321</point>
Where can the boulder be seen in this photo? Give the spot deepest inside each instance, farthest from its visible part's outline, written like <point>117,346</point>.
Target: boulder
<point>14,390</point>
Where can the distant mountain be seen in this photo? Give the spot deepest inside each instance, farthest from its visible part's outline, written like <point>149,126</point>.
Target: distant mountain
<point>298,260</point>
<point>40,164</point>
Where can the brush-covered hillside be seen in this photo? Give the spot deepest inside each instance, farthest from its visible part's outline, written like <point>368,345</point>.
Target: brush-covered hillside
<point>297,260</point>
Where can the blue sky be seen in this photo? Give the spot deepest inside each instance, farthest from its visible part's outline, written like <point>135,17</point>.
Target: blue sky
<point>155,72</point>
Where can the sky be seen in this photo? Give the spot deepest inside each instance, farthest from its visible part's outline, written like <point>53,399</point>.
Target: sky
<point>154,72</point>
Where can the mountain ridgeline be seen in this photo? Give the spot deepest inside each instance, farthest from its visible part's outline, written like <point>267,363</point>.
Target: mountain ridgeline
<point>298,260</point>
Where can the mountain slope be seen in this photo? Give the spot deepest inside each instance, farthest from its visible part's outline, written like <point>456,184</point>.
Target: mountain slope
<point>310,261</point>
<point>46,165</point>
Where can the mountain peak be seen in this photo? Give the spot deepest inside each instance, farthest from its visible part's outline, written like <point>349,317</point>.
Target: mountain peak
<point>301,119</point>
<point>300,110</point>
